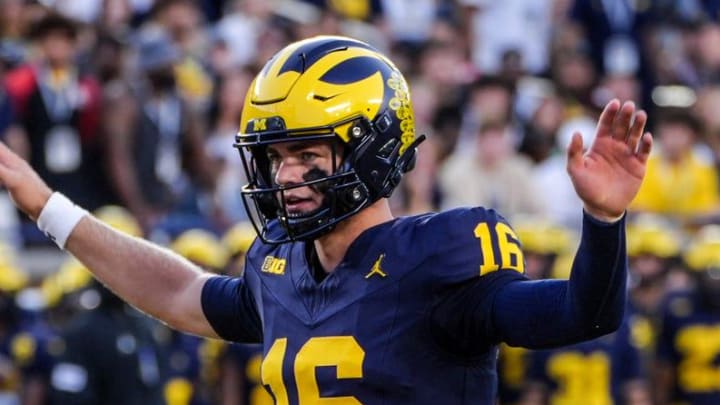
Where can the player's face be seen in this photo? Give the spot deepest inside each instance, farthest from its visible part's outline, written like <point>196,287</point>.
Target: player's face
<point>292,163</point>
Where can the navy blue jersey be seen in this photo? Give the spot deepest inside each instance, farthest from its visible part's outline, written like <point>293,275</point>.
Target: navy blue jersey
<point>690,341</point>
<point>410,315</point>
<point>592,372</point>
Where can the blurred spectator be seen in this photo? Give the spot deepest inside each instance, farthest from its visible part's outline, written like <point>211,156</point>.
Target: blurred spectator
<point>110,356</point>
<point>244,19</point>
<point>420,191</point>
<point>490,99</point>
<point>676,165</point>
<point>238,240</point>
<point>193,370</point>
<point>273,37</point>
<point>193,363</point>
<point>704,55</point>
<point>182,21</point>
<point>443,65</point>
<point>558,194</point>
<point>225,116</point>
<point>542,113</point>
<point>13,20</point>
<point>15,383</point>
<point>706,108</point>
<point>46,311</point>
<point>493,175</point>
<point>242,380</point>
<point>363,10</point>
<point>410,21</point>
<point>613,29</point>
<point>575,78</point>
<point>202,248</point>
<point>688,344</point>
<point>157,159</point>
<point>605,370</point>
<point>115,18</point>
<point>654,247</point>
<point>11,54</point>
<point>445,127</point>
<point>618,85</point>
<point>59,110</point>
<point>685,12</point>
<point>519,26</point>
<point>110,56</point>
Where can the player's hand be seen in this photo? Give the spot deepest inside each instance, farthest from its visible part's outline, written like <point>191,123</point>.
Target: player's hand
<point>27,190</point>
<point>608,176</point>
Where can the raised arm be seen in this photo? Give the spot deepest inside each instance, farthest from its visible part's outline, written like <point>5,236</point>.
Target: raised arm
<point>547,313</point>
<point>550,313</point>
<point>151,278</point>
<point>606,177</point>
<point>504,306</point>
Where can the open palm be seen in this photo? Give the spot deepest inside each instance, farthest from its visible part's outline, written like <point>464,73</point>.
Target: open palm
<point>608,176</point>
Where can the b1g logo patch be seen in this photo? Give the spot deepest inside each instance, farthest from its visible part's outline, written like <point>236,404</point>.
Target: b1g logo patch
<point>273,265</point>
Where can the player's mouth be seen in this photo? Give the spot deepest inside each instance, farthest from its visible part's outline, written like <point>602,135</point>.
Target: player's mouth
<point>297,206</point>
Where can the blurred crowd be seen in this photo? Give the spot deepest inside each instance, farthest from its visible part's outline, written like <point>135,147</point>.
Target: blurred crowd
<point>130,108</point>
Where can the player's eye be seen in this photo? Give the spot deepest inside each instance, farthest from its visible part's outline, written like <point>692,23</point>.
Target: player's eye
<point>308,156</point>
<point>273,157</point>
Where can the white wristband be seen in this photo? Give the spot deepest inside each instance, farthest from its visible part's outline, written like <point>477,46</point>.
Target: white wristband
<point>58,218</point>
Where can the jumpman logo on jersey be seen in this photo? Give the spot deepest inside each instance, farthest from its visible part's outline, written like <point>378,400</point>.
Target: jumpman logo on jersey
<point>376,268</point>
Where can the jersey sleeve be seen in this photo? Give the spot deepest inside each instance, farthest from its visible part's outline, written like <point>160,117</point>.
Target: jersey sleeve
<point>467,243</point>
<point>231,310</point>
<point>502,306</point>
<point>551,313</point>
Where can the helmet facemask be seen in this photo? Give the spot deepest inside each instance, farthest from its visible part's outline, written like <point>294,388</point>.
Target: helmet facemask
<point>341,191</point>
<point>344,191</point>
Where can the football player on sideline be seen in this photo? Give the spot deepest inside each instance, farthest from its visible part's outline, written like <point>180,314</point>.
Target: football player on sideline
<point>352,305</point>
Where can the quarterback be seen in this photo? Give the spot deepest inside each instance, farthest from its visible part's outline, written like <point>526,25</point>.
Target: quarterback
<point>350,304</point>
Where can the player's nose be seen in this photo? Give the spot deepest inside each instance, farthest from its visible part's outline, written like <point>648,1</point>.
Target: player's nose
<point>289,173</point>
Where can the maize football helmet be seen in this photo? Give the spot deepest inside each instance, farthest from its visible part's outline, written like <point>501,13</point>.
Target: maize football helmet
<point>326,88</point>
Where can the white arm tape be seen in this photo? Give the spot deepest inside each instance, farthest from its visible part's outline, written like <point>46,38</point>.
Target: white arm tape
<point>58,218</point>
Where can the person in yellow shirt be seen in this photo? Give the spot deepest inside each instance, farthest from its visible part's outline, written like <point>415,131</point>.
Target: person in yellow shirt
<point>680,182</point>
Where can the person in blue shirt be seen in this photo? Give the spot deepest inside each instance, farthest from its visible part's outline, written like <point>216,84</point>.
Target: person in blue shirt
<point>351,304</point>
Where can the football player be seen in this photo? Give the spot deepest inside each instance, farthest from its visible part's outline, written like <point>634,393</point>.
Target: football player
<point>351,304</point>
<point>601,371</point>
<point>688,348</point>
